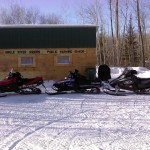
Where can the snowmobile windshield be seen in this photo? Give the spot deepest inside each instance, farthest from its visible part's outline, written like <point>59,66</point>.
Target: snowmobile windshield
<point>115,81</point>
<point>70,75</point>
<point>127,73</point>
<point>124,73</point>
<point>10,75</point>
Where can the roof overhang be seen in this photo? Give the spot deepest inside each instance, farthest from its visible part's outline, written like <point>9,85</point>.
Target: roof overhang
<point>47,26</point>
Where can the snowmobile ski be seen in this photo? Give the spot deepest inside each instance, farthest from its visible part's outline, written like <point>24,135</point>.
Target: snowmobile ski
<point>29,90</point>
<point>3,95</point>
<point>113,92</point>
<point>55,93</point>
<point>93,90</point>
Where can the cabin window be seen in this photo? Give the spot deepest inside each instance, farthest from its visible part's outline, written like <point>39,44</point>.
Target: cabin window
<point>26,60</point>
<point>63,60</point>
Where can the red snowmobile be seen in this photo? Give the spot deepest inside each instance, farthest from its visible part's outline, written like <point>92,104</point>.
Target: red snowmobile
<point>14,82</point>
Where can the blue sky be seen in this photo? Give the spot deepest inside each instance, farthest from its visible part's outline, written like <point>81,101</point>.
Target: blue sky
<point>67,9</point>
<point>55,6</point>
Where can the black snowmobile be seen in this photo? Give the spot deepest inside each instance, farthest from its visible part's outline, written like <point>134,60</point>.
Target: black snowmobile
<point>128,81</point>
<point>77,83</point>
<point>14,82</point>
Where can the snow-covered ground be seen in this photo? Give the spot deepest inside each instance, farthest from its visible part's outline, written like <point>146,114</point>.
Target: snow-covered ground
<point>75,121</point>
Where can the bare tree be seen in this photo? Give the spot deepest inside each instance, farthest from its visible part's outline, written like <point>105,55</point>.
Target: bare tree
<point>140,32</point>
<point>112,30</point>
<point>5,18</point>
<point>13,15</point>
<point>32,15</point>
<point>93,13</point>
<point>50,19</point>
<point>125,26</point>
<point>17,14</point>
<point>117,33</point>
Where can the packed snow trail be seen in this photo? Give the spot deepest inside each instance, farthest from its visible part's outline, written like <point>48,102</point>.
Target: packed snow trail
<point>75,122</point>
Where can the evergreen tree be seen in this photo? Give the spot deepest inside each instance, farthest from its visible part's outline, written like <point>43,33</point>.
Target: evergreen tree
<point>131,46</point>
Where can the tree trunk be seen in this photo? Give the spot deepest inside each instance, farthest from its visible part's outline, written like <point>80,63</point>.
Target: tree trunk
<point>140,32</point>
<point>122,55</point>
<point>117,33</point>
<point>112,31</point>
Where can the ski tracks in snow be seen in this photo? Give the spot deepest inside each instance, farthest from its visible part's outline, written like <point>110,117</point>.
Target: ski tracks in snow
<point>75,122</point>
<point>13,139</point>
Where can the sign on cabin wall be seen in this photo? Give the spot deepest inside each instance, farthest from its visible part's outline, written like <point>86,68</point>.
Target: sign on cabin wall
<point>43,51</point>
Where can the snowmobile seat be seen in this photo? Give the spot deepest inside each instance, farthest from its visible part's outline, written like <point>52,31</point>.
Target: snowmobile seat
<point>131,73</point>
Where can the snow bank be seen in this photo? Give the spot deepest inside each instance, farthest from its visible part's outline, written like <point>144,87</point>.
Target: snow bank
<point>142,72</point>
<point>116,71</point>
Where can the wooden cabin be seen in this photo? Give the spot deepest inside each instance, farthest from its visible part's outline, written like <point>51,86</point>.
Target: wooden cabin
<point>49,51</point>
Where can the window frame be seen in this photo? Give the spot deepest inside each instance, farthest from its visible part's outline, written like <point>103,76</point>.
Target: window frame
<point>26,65</point>
<point>61,64</point>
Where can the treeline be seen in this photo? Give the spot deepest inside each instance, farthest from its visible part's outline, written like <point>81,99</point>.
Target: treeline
<point>18,14</point>
<point>122,33</point>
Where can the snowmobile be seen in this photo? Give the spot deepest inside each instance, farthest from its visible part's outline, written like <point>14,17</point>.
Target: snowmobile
<point>128,81</point>
<point>14,82</point>
<point>77,83</point>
